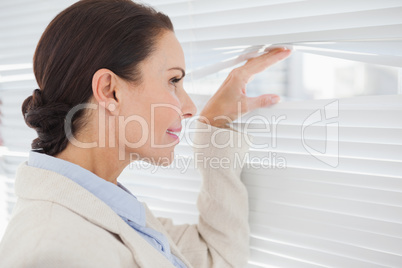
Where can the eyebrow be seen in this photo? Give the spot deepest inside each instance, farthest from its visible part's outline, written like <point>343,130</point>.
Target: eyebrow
<point>180,69</point>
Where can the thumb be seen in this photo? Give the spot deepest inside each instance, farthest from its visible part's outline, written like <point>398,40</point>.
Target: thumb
<point>261,101</point>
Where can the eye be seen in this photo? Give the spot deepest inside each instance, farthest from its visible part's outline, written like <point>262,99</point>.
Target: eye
<point>175,80</point>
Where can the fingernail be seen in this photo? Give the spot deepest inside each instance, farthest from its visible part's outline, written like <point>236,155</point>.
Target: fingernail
<point>279,50</point>
<point>275,99</point>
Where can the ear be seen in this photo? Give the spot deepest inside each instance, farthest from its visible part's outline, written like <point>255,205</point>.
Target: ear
<point>104,87</point>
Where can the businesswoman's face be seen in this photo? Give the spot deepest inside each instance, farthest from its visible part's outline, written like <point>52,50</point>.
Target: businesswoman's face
<point>153,110</point>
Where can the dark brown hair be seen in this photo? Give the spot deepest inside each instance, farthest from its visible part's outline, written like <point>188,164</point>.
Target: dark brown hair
<point>85,37</point>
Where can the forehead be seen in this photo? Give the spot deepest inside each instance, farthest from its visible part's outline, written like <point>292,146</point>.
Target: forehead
<point>168,54</point>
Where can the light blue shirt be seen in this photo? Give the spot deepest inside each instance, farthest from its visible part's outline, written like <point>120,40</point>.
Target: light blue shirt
<point>117,197</point>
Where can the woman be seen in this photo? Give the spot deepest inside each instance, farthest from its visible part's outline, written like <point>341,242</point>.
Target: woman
<point>110,75</point>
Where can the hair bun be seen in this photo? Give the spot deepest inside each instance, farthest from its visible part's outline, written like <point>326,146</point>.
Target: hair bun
<point>33,101</point>
<point>37,96</point>
<point>31,104</point>
<point>48,121</point>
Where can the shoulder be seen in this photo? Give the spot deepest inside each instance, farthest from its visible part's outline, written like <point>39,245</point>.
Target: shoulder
<point>48,234</point>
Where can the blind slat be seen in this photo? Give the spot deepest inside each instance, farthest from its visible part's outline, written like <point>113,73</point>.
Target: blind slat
<point>326,231</point>
<point>313,242</point>
<point>317,256</point>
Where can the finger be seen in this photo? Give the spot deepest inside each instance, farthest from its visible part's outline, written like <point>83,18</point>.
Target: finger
<point>261,63</point>
<point>261,101</point>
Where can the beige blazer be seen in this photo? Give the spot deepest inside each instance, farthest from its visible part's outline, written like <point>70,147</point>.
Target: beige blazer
<point>57,223</point>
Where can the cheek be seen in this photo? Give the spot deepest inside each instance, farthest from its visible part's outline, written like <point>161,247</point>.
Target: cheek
<point>166,116</point>
<point>134,124</point>
<point>135,129</point>
<point>150,117</point>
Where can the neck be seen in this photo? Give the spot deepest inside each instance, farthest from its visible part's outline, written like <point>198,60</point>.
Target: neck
<point>103,162</point>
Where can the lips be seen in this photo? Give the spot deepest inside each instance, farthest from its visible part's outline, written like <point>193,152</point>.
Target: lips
<point>174,132</point>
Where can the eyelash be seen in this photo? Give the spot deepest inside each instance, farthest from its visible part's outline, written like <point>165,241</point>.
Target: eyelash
<point>175,80</point>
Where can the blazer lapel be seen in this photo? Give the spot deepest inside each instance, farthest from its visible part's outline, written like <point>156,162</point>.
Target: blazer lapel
<point>41,184</point>
<point>143,252</point>
<point>155,224</point>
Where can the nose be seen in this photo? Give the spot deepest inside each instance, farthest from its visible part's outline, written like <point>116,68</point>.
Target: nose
<point>188,107</point>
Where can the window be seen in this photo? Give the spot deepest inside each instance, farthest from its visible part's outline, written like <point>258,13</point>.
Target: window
<point>324,174</point>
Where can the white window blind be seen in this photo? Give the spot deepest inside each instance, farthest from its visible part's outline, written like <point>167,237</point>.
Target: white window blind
<point>219,30</point>
<point>326,190</point>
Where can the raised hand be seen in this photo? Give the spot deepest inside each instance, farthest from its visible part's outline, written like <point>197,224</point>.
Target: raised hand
<point>231,99</point>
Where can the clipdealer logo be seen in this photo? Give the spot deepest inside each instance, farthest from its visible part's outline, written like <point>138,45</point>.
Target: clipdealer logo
<point>329,116</point>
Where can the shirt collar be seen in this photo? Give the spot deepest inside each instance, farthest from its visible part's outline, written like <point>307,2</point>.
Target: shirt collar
<point>116,197</point>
